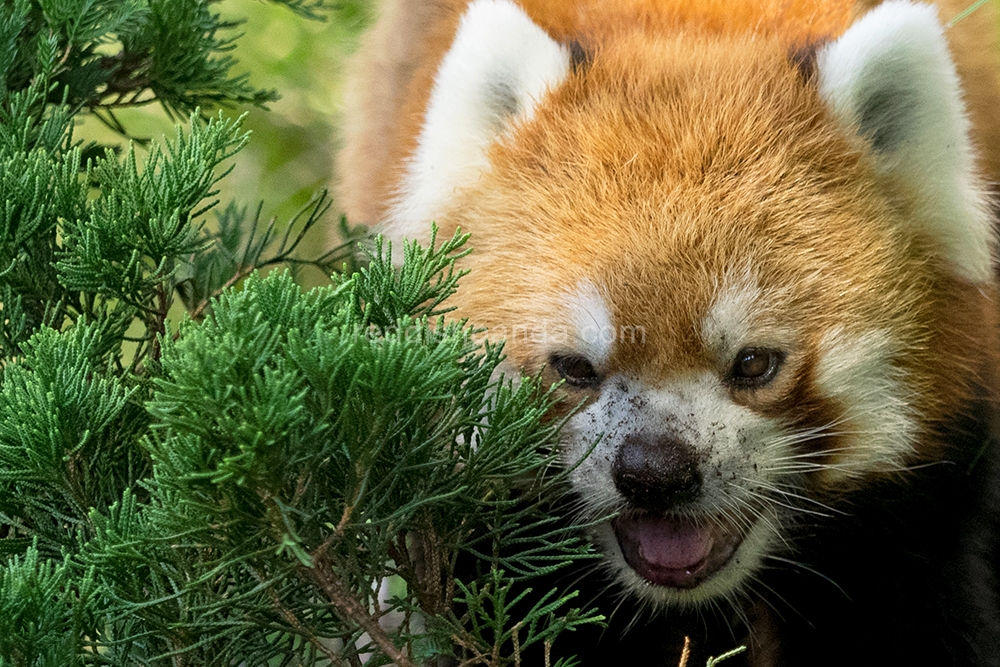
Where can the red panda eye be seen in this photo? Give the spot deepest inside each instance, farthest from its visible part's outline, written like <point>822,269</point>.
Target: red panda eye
<point>576,370</point>
<point>755,366</point>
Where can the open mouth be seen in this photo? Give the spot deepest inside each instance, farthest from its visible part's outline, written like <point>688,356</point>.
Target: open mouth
<point>673,551</point>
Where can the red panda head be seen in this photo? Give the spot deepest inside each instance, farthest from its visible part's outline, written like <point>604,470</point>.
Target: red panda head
<point>769,280</point>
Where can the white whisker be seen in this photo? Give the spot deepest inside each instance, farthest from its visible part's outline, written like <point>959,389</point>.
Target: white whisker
<point>768,499</point>
<point>806,568</point>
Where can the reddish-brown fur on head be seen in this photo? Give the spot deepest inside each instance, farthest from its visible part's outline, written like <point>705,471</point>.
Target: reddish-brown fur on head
<point>705,178</point>
<point>712,185</point>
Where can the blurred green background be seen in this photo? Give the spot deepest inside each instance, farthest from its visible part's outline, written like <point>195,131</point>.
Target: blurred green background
<point>293,142</point>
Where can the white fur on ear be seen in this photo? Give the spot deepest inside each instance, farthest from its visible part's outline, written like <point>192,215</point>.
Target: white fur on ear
<point>890,77</point>
<point>498,68</point>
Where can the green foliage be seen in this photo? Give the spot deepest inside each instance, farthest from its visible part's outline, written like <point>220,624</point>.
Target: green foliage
<point>105,54</point>
<point>712,662</point>
<point>65,254</point>
<point>47,608</point>
<point>125,245</point>
<point>298,454</point>
<point>238,488</point>
<point>68,436</point>
<point>388,298</point>
<point>495,629</point>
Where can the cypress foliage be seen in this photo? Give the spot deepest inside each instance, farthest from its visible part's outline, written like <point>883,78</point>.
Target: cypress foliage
<point>331,477</point>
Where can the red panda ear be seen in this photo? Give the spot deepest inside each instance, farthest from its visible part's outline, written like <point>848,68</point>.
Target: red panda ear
<point>497,69</point>
<point>891,79</point>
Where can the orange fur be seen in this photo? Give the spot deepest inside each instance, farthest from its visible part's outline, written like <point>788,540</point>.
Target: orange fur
<point>567,216</point>
<point>395,66</point>
<point>691,211</point>
<point>693,152</point>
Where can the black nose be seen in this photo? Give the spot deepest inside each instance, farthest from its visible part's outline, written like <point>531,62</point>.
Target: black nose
<point>657,472</point>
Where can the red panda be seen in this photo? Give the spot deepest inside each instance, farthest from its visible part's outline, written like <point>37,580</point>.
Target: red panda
<point>757,239</point>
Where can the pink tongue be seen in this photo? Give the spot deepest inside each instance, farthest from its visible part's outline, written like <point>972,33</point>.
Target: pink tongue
<point>672,545</point>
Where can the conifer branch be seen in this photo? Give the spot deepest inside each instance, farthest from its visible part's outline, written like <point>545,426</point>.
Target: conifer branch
<point>297,625</point>
<point>167,499</point>
<point>262,248</point>
<point>158,328</point>
<point>323,575</point>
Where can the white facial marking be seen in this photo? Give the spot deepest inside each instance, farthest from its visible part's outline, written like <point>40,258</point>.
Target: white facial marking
<point>734,319</point>
<point>737,448</point>
<point>498,68</point>
<point>592,322</point>
<point>727,326</point>
<point>890,77</point>
<point>857,371</point>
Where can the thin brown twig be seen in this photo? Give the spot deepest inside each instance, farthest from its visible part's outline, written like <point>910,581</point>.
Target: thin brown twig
<point>300,489</point>
<point>345,518</point>
<point>198,313</point>
<point>338,532</point>
<point>432,566</point>
<point>303,631</point>
<point>350,609</point>
<point>517,643</point>
<point>686,652</point>
<point>241,273</point>
<point>159,327</point>
<point>65,55</point>
<point>478,657</point>
<point>124,104</point>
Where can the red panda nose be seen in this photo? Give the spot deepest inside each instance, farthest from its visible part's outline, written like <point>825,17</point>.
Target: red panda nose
<point>657,473</point>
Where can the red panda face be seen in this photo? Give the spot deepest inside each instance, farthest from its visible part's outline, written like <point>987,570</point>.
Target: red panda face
<point>765,283</point>
<point>736,325</point>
